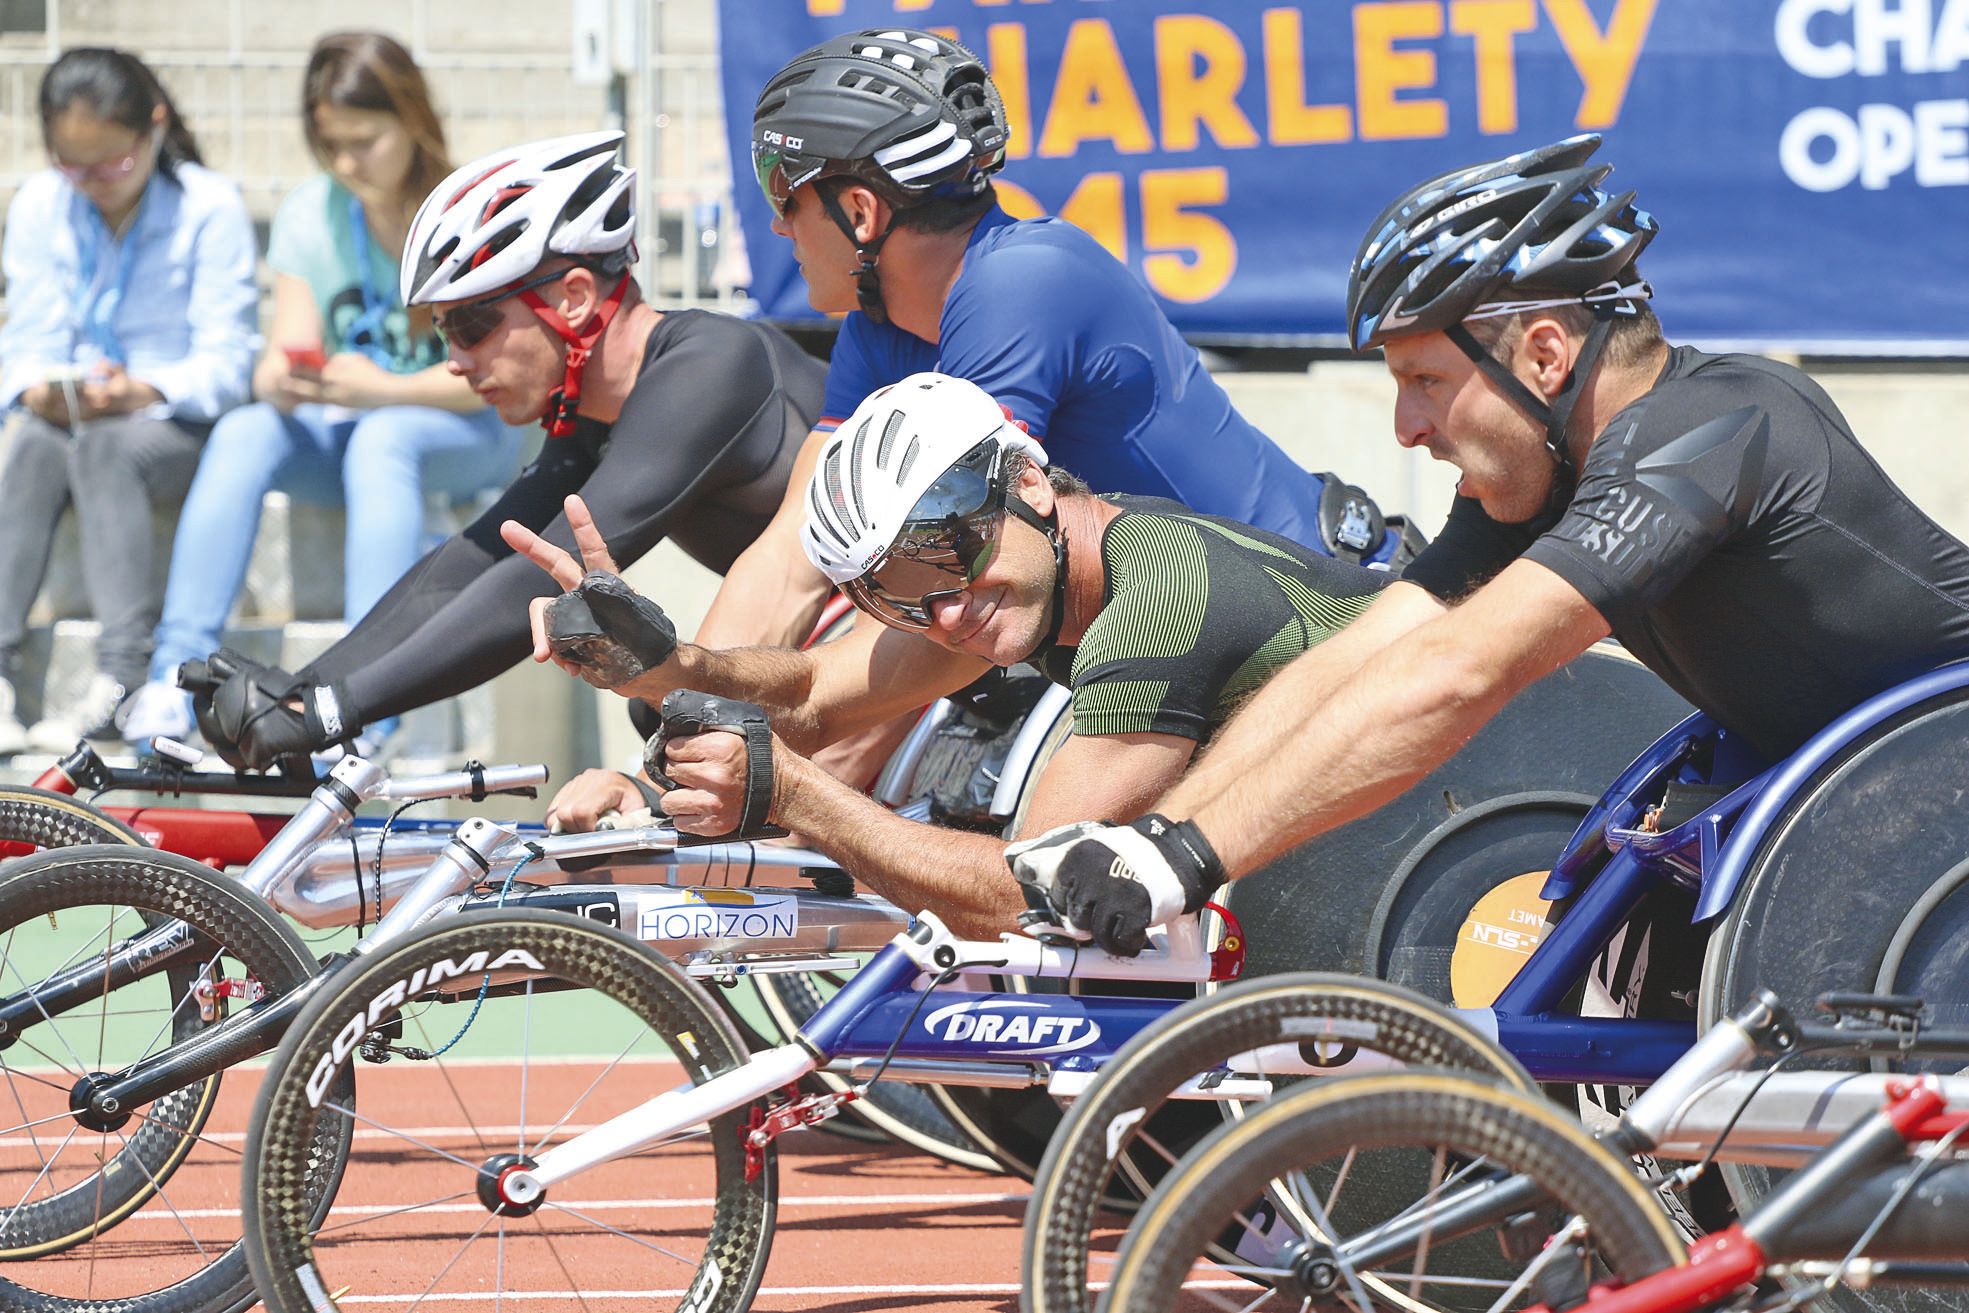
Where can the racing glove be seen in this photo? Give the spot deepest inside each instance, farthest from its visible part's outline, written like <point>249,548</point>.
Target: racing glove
<point>686,713</point>
<point>240,708</point>
<point>609,630</point>
<point>1115,881</point>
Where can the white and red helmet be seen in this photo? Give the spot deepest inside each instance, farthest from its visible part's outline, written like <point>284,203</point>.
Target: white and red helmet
<point>497,219</point>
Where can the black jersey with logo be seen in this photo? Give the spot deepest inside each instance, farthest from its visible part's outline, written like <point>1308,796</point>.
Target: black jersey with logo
<point>1743,546</point>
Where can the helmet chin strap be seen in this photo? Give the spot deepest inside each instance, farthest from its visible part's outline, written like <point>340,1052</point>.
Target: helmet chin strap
<point>868,282</point>
<point>1050,526</point>
<point>566,399</point>
<point>1556,414</point>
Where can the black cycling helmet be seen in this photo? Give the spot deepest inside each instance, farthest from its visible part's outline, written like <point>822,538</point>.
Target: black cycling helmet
<point>1522,233</point>
<point>1535,225</point>
<point>909,114</point>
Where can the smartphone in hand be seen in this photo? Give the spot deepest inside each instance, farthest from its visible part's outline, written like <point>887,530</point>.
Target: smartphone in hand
<point>305,357</point>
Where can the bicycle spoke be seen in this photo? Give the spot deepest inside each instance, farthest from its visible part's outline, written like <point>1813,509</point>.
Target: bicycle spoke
<point>1438,1169</point>
<point>366,1219</point>
<point>457,1096</point>
<point>582,1097</point>
<point>600,1225</point>
<point>38,1178</point>
<point>559,1262</point>
<point>30,990</point>
<point>171,1016</point>
<point>526,1065</point>
<point>1324,1221</point>
<point>1560,1241</point>
<point>158,1186</point>
<point>1333,1195</point>
<point>406,1138</point>
<point>469,1241</point>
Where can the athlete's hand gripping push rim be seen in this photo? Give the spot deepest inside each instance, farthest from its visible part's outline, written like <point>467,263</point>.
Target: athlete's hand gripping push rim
<point>1112,882</point>
<point>689,716</point>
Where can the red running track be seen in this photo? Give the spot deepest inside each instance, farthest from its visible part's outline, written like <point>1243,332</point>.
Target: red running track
<point>859,1227</point>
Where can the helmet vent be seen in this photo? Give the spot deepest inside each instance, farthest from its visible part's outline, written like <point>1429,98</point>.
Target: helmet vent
<point>888,442</point>
<point>837,495</point>
<point>859,445</point>
<point>908,458</point>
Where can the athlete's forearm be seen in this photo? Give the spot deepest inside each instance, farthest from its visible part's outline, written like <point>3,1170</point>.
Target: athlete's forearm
<point>779,680</point>
<point>961,877</point>
<point>771,597</point>
<point>1399,717</point>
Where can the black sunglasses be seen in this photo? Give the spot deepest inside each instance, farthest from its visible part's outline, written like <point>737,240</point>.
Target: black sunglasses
<point>469,324</point>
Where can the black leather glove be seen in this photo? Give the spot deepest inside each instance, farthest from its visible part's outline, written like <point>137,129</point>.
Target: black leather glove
<point>1115,881</point>
<point>609,630</point>
<point>282,731</point>
<point>686,713</point>
<point>240,705</point>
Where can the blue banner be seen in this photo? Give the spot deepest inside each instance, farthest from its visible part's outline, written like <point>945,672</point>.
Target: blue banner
<point>1808,160</point>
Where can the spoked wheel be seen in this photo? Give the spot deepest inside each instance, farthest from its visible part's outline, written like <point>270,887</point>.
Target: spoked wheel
<point>904,1113</point>
<point>1113,1136</point>
<point>80,1007</point>
<point>32,818</point>
<point>548,1025</point>
<point>1375,1160</point>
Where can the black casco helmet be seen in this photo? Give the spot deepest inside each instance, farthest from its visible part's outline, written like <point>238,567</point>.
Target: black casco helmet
<point>1529,231</point>
<point>910,115</point>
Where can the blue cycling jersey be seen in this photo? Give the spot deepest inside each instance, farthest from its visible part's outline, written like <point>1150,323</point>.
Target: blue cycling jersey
<point>1061,333</point>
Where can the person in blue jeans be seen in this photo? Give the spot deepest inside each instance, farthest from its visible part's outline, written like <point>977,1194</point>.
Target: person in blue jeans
<point>356,405</point>
<point>130,327</point>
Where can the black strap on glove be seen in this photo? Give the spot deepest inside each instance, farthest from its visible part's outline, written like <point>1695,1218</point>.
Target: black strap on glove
<point>686,713</point>
<point>242,712</point>
<point>609,630</point>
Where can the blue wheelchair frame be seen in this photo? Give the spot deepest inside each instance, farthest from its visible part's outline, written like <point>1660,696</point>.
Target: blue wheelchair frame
<point>1612,861</point>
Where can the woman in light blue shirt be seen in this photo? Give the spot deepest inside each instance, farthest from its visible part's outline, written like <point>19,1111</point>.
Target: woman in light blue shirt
<point>131,313</point>
<point>356,405</point>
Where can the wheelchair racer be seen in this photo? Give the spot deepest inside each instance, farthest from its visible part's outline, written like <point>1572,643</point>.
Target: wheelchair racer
<point>942,519</point>
<point>876,151</point>
<point>524,258</point>
<point>1712,512</point>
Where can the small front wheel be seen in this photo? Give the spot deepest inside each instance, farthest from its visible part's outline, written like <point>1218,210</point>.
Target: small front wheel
<point>504,1035</point>
<point>1584,1216</point>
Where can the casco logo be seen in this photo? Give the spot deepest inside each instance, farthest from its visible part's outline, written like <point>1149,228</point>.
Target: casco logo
<point>1003,1024</point>
<point>396,994</point>
<point>780,139</point>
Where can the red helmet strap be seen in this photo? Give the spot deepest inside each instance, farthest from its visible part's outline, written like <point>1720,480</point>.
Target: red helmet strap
<point>566,400</point>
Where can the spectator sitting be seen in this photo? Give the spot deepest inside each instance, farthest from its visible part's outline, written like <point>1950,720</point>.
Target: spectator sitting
<point>356,404</point>
<point>131,316</point>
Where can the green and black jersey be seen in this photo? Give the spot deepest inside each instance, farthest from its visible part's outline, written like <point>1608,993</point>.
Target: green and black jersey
<point>1198,612</point>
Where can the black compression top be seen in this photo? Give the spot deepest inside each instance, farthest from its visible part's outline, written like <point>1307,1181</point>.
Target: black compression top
<point>1197,612</point>
<point>1743,546</point>
<point>700,453</point>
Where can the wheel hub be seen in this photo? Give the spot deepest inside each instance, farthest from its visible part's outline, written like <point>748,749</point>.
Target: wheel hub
<point>1315,1273</point>
<point>94,1109</point>
<point>507,1188</point>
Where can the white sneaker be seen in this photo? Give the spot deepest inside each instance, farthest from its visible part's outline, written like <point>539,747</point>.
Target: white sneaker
<point>157,711</point>
<point>13,734</point>
<point>93,716</point>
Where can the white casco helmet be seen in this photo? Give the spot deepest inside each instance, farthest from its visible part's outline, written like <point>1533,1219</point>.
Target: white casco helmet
<point>884,457</point>
<point>497,219</point>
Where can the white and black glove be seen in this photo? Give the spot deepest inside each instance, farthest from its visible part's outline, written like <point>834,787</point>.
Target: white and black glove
<point>1115,881</point>
<point>609,629</point>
